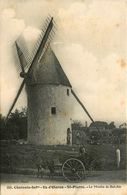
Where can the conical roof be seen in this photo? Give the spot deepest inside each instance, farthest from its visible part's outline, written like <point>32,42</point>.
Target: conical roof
<point>48,71</point>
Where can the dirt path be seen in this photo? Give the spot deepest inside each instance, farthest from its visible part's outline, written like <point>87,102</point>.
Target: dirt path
<point>98,176</point>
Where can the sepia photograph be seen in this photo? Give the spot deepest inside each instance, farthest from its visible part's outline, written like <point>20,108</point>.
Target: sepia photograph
<point>63,108</point>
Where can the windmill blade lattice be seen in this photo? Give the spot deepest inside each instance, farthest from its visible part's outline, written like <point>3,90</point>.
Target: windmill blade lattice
<point>48,40</point>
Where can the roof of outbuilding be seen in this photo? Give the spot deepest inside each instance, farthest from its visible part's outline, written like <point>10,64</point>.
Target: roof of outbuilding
<point>48,71</point>
<point>99,124</point>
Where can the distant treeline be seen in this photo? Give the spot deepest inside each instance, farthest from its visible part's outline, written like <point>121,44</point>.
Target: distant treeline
<point>15,127</point>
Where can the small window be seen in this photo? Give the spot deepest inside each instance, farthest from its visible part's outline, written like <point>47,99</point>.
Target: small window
<point>68,92</point>
<point>53,110</point>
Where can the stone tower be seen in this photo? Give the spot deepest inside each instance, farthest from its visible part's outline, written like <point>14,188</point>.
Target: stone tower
<point>49,102</point>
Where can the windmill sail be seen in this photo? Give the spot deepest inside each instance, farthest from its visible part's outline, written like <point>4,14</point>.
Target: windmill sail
<point>34,61</point>
<point>15,100</point>
<point>42,45</point>
<point>76,97</point>
<point>22,59</point>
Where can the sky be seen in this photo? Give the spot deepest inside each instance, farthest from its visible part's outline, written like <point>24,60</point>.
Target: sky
<point>90,43</point>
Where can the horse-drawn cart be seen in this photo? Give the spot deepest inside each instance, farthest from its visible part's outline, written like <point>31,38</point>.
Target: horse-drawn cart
<point>72,168</point>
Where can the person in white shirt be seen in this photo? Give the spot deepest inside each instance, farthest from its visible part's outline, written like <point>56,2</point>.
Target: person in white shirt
<point>118,157</point>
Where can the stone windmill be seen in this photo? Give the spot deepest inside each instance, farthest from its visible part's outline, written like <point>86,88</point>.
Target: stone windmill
<point>48,95</point>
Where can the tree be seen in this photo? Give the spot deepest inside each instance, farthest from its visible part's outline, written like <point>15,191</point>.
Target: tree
<point>76,125</point>
<point>2,127</point>
<point>94,135</point>
<point>16,126</point>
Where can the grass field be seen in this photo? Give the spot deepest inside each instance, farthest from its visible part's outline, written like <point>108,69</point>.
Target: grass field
<point>25,157</point>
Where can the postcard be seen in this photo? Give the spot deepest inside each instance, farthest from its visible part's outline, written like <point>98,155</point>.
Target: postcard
<point>63,118</point>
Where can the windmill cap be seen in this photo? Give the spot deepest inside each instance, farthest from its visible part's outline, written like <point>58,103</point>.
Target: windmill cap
<point>48,71</point>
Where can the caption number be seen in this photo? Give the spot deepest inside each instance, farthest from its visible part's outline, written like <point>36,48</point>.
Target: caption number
<point>9,187</point>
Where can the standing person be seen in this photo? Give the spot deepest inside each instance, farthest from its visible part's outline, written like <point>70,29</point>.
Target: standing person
<point>118,157</point>
<point>78,138</point>
<point>82,150</point>
<point>83,156</point>
<point>68,136</point>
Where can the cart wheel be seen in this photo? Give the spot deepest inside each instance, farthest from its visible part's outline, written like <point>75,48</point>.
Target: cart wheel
<point>73,170</point>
